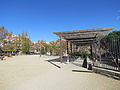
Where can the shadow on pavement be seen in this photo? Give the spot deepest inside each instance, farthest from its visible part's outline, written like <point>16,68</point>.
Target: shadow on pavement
<point>53,61</point>
<point>64,60</point>
<point>81,71</point>
<point>53,64</point>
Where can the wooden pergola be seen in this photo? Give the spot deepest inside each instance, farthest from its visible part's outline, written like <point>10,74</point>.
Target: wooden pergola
<point>83,37</point>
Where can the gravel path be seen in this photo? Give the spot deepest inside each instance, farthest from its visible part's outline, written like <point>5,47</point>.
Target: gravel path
<point>35,73</point>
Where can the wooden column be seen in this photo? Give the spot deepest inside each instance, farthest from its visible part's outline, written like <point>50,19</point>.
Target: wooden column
<point>61,50</point>
<point>68,60</point>
<point>99,38</point>
<point>67,48</point>
<point>95,48</point>
<point>91,50</point>
<point>71,48</point>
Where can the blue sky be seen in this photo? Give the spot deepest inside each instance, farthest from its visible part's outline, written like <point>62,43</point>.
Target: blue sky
<point>40,18</point>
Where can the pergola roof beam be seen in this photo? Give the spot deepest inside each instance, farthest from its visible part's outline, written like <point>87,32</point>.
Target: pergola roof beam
<point>83,41</point>
<point>85,31</point>
<point>79,44</point>
<point>78,36</point>
<point>81,38</point>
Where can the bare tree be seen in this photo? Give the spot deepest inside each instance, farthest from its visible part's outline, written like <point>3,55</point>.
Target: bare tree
<point>3,33</point>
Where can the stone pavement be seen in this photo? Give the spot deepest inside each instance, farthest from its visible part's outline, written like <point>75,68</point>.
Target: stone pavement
<point>36,73</point>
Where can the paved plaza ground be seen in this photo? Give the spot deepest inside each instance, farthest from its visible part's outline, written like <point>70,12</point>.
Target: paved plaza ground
<point>36,73</point>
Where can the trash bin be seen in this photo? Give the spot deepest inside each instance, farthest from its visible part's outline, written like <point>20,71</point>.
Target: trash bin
<point>89,66</point>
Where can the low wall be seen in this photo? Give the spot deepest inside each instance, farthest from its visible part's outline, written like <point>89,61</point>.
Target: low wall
<point>110,73</point>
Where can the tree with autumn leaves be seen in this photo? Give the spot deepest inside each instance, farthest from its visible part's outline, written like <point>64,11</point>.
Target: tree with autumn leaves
<point>9,41</point>
<point>3,34</point>
<point>55,47</point>
<point>25,42</point>
<point>22,42</point>
<point>52,47</point>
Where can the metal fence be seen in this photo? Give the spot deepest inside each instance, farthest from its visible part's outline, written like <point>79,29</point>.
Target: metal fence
<point>110,53</point>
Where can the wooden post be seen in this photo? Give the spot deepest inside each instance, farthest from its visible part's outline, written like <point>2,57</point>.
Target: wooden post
<point>71,48</point>
<point>67,53</point>
<point>95,51</point>
<point>61,50</point>
<point>76,48</point>
<point>91,50</point>
<point>67,48</point>
<point>99,38</point>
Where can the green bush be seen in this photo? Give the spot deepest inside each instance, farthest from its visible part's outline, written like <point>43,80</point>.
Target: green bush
<point>42,51</point>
